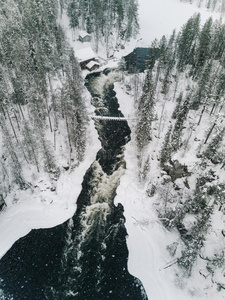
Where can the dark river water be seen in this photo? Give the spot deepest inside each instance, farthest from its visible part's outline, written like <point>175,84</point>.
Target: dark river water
<point>86,257</point>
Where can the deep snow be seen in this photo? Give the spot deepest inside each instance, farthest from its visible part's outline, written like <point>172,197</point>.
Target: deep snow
<point>161,17</point>
<point>147,237</point>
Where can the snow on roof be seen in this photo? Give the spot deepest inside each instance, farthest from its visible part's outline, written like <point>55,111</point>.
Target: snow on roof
<point>92,64</point>
<point>83,33</point>
<point>85,54</point>
<point>142,43</point>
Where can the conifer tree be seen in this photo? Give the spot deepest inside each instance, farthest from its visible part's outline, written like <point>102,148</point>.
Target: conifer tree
<point>177,108</point>
<point>33,51</point>
<point>165,154</point>
<point>203,50</point>
<point>145,116</point>
<point>186,41</point>
<point>178,127</point>
<point>212,151</point>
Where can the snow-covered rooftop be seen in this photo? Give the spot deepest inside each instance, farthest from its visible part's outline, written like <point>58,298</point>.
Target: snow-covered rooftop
<point>83,33</point>
<point>85,54</point>
<point>91,64</point>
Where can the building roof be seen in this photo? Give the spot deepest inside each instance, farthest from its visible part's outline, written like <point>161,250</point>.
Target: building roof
<point>84,54</point>
<point>91,64</point>
<point>83,33</point>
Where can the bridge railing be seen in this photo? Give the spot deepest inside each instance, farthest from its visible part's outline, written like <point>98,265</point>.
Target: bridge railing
<point>111,118</point>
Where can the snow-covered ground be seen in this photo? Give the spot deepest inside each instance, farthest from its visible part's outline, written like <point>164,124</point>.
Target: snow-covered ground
<point>44,208</point>
<point>41,207</point>
<point>161,17</point>
<point>147,237</point>
<point>156,18</point>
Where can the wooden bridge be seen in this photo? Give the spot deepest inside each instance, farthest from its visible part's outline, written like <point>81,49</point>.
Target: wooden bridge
<point>109,118</point>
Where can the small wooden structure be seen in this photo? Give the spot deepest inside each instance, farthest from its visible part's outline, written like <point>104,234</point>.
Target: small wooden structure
<point>84,56</point>
<point>92,65</point>
<point>84,36</point>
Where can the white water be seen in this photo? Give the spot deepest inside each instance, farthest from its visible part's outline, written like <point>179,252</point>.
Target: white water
<point>101,83</point>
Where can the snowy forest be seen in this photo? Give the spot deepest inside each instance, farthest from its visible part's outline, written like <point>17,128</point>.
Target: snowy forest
<point>41,91</point>
<point>43,114</point>
<point>177,122</point>
<point>180,140</point>
<point>112,22</point>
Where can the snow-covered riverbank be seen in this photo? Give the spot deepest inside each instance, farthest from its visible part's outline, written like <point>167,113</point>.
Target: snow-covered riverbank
<point>147,238</point>
<point>41,207</point>
<point>149,259</point>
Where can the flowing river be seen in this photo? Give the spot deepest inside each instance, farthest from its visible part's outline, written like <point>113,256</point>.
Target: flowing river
<point>86,257</point>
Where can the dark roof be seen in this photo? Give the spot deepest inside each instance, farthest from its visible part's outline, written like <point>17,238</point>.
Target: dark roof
<point>136,60</point>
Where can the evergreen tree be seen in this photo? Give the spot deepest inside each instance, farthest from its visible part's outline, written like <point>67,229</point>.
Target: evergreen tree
<point>169,61</point>
<point>145,116</point>
<point>33,53</point>
<point>178,127</point>
<point>203,50</point>
<point>212,151</point>
<point>177,108</point>
<point>218,41</point>
<point>186,42</point>
<point>153,55</point>
<point>165,154</point>
<point>219,92</point>
<point>205,85</point>
<point>102,18</point>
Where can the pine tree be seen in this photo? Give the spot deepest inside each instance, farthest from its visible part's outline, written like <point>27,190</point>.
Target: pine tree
<point>169,61</point>
<point>16,168</point>
<point>186,42</point>
<point>165,153</point>
<point>212,151</point>
<point>178,127</point>
<point>145,116</point>
<point>203,50</point>
<point>218,41</point>
<point>73,14</point>
<point>153,55</point>
<point>219,92</point>
<point>33,51</point>
<point>177,108</point>
<point>204,87</point>
<point>101,18</point>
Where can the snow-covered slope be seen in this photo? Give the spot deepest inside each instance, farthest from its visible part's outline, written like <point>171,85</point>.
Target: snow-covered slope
<point>148,239</point>
<point>161,17</point>
<point>39,206</point>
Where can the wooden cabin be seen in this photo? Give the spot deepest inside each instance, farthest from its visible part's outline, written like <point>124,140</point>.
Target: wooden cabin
<point>92,65</point>
<point>84,37</point>
<point>84,56</point>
